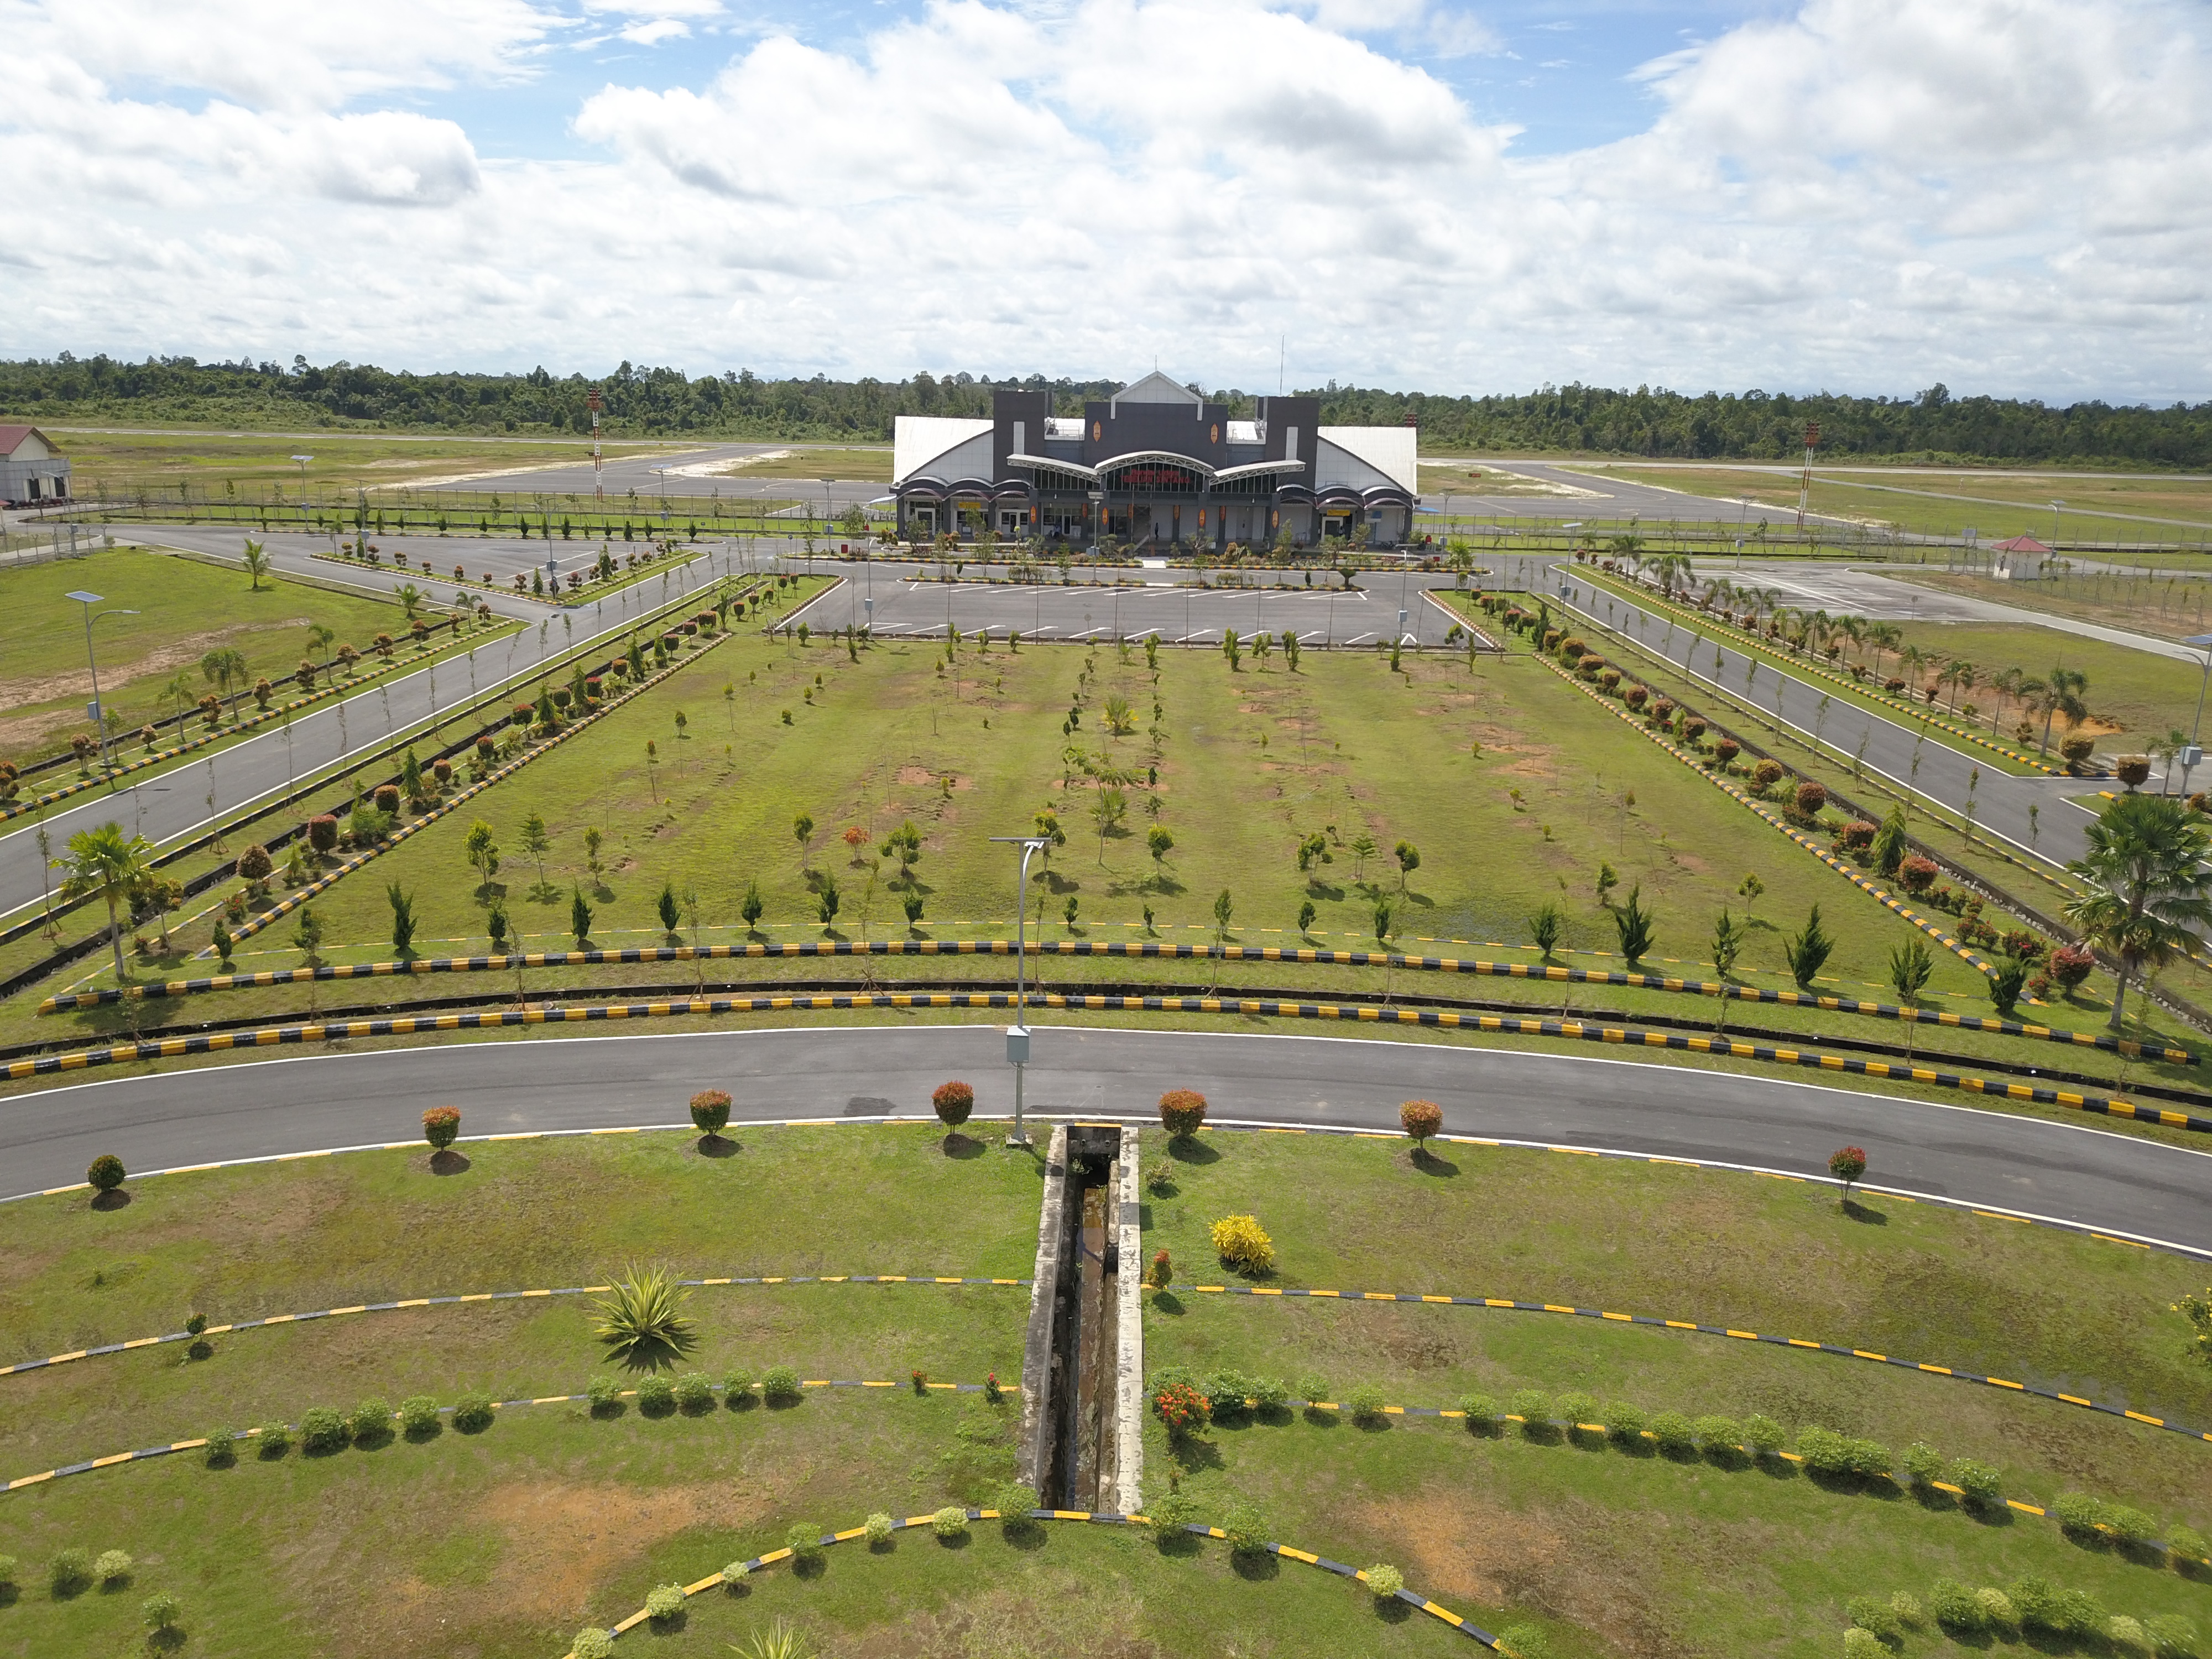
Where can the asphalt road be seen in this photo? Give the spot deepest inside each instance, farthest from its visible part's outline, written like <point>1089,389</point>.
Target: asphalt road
<point>1899,753</point>
<point>175,801</point>
<point>2031,1165</point>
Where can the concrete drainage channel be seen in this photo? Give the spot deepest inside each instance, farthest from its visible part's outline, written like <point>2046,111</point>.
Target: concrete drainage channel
<point>1082,1363</point>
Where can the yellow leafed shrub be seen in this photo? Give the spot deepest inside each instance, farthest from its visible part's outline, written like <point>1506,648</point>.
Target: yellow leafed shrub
<point>1244,1244</point>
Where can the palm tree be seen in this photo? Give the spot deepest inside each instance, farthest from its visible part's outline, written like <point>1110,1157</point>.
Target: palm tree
<point>320,638</point>
<point>178,691</point>
<point>1910,659</point>
<point>255,561</point>
<point>1853,629</point>
<point>2062,695</point>
<point>104,863</point>
<point>1884,636</point>
<point>1960,676</point>
<point>2147,884</point>
<point>2005,683</point>
<point>2164,750</point>
<point>226,665</point>
<point>410,601</point>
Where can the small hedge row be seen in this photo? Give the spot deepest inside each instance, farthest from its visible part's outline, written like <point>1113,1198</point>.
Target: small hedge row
<point>2032,1608</point>
<point>695,1393</point>
<point>323,1430</point>
<point>1185,1401</point>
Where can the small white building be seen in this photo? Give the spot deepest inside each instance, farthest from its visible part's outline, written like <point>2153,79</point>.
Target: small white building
<point>31,471</point>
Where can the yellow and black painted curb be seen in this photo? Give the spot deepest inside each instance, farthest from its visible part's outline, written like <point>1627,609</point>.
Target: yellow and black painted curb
<point>275,711</point>
<point>1774,820</point>
<point>1801,1343</point>
<point>146,1452</point>
<point>1733,637</point>
<point>1608,1432</point>
<point>253,924</point>
<point>484,1296</point>
<point>1254,1008</point>
<point>1304,955</point>
<point>1093,1517</point>
<point>926,1386</point>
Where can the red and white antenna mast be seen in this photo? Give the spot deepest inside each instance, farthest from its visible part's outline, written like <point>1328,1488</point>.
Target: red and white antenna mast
<point>601,494</point>
<point>1805,479</point>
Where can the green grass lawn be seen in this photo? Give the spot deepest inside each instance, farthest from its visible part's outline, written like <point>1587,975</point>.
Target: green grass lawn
<point>1249,762</point>
<point>160,462</point>
<point>187,607</point>
<point>2133,697</point>
<point>504,1542</point>
<point>2169,609</point>
<point>1644,1552</point>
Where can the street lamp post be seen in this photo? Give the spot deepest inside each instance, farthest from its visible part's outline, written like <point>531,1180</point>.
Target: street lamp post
<point>99,712</point>
<point>2057,512</point>
<point>1018,1033</point>
<point>303,461</point>
<point>2191,756</point>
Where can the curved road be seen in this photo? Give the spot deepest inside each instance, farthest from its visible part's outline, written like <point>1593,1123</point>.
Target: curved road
<point>2062,1171</point>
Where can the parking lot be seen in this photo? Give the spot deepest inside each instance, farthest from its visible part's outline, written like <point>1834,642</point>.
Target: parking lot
<point>1180,615</point>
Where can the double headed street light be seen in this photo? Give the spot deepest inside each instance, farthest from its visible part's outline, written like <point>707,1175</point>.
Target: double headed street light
<point>1018,1033</point>
<point>98,713</point>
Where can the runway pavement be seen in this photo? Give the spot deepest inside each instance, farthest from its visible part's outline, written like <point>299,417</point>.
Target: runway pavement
<point>2063,1171</point>
<point>1597,495</point>
<point>685,472</point>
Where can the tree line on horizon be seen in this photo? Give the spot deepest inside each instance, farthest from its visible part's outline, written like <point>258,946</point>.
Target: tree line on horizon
<point>648,402</point>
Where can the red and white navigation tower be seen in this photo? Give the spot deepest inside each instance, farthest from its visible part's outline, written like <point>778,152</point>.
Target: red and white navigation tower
<point>601,494</point>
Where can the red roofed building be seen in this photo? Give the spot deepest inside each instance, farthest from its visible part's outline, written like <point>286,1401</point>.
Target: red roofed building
<point>31,471</point>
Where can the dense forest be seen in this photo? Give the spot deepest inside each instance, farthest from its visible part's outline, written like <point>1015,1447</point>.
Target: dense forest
<point>661,401</point>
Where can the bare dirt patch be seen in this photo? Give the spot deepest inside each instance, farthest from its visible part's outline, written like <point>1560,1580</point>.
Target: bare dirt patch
<point>186,648</point>
<point>1459,1547</point>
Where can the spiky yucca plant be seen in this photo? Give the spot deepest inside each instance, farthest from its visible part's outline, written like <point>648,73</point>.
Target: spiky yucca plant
<point>778,1641</point>
<point>643,1312</point>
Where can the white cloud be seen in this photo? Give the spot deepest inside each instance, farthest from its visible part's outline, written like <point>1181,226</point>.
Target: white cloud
<point>2015,193</point>
<point>658,29</point>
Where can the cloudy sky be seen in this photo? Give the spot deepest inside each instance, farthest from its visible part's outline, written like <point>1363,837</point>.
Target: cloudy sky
<point>2009,196</point>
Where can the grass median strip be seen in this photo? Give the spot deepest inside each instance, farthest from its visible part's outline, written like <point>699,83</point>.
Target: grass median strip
<point>481,1296</point>
<point>114,1459</point>
<point>1750,645</point>
<point>1148,949</point>
<point>1093,1517</point>
<point>1934,930</point>
<point>1801,1343</point>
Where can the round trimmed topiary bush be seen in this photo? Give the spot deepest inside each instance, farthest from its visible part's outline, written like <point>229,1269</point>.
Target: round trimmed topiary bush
<point>663,1602</point>
<point>1384,1581</point>
<point>442,1126</point>
<point>1182,1112</point>
<point>949,1521</point>
<point>105,1173</point>
<point>710,1111</point>
<point>953,1101</point>
<point>591,1642</point>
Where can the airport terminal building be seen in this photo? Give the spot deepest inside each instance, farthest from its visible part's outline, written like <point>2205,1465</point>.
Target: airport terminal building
<point>1155,465</point>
